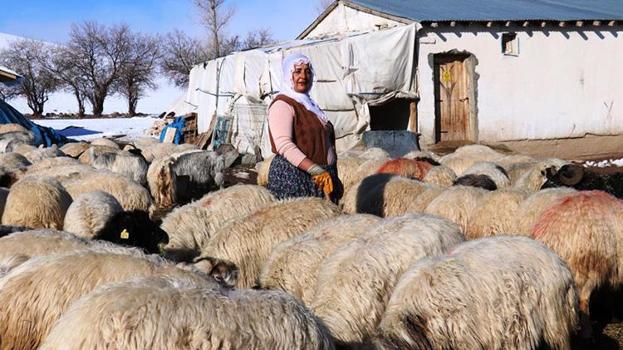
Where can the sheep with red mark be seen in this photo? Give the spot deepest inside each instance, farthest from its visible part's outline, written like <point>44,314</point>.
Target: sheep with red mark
<point>491,293</point>
<point>410,168</point>
<point>586,230</point>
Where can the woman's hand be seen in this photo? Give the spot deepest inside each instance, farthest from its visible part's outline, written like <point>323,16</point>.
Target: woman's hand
<point>322,179</point>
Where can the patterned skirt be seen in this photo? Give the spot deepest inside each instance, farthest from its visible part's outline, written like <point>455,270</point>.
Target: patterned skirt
<point>287,181</point>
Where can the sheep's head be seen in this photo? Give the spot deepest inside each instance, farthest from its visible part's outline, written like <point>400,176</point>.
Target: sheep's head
<point>134,228</point>
<point>476,180</point>
<point>224,271</point>
<point>568,175</point>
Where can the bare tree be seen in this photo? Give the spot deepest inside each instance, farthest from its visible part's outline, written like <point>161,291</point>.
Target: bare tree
<point>322,5</point>
<point>215,16</point>
<point>99,54</point>
<point>8,92</point>
<point>139,72</point>
<point>179,54</point>
<point>71,78</point>
<point>259,38</point>
<point>25,57</point>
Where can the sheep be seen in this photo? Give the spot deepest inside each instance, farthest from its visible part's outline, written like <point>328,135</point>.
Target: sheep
<point>49,163</point>
<point>155,151</point>
<point>495,172</point>
<point>184,176</point>
<point>174,313</point>
<point>36,293</point>
<point>466,156</point>
<point>190,227</point>
<point>122,162</point>
<point>36,202</point>
<point>491,293</point>
<point>355,282</point>
<point>353,200</point>
<point>11,127</point>
<point>584,179</point>
<point>63,174</point>
<point>419,203</point>
<point>33,243</point>
<point>457,204</point>
<point>11,141</point>
<point>293,265</point>
<point>411,168</point>
<point>473,180</point>
<point>441,176</point>
<point>74,149</point>
<point>89,212</point>
<point>374,153</point>
<point>534,205</point>
<point>495,214</point>
<point>390,198</point>
<point>135,229</point>
<point>534,176</point>
<point>41,153</point>
<point>8,229</point>
<point>102,141</point>
<point>347,170</point>
<point>249,241</point>
<point>128,193</point>
<point>263,168</point>
<point>4,193</point>
<point>586,230</point>
<point>423,155</point>
<point>13,160</point>
<point>508,161</point>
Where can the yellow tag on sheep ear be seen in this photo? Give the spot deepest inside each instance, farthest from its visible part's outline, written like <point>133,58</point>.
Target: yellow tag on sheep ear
<point>125,234</point>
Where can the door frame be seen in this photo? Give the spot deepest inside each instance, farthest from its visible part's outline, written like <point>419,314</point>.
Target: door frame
<point>469,62</point>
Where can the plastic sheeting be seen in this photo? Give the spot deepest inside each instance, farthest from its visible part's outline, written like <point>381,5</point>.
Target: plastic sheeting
<point>43,136</point>
<point>352,72</point>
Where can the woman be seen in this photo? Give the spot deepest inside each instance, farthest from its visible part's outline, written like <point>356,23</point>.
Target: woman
<point>302,138</point>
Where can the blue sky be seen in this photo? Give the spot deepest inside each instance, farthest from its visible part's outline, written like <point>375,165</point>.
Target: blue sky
<point>50,20</point>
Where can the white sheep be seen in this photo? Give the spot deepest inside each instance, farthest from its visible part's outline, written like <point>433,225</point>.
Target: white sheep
<point>175,313</point>
<point>492,293</point>
<point>191,226</point>
<point>36,293</point>
<point>36,202</point>
<point>89,213</point>
<point>247,242</point>
<point>355,282</point>
<point>496,213</point>
<point>293,265</point>
<point>457,203</point>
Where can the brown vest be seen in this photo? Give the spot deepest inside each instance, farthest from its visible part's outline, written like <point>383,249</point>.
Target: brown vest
<point>308,135</point>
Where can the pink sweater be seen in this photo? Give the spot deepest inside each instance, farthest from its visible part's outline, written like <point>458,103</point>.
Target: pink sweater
<point>280,122</point>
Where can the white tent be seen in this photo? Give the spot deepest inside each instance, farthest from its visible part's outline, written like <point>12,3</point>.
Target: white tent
<point>352,73</point>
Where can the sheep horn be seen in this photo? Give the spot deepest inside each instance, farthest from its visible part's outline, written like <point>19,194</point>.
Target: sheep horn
<point>571,175</point>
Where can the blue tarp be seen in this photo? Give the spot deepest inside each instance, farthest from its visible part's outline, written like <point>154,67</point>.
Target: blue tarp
<point>43,136</point>
<point>178,124</point>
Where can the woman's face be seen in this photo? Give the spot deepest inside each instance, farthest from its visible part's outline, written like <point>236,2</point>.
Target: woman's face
<point>302,78</point>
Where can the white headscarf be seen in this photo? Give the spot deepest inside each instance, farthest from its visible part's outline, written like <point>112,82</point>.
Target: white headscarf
<point>287,84</point>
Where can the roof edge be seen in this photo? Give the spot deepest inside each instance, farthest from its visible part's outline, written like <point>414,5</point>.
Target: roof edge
<point>318,19</point>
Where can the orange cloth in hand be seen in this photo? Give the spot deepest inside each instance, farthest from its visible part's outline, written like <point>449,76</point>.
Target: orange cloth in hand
<point>324,182</point>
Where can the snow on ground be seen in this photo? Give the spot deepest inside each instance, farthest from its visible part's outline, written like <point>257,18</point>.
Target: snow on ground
<point>131,127</point>
<point>605,163</point>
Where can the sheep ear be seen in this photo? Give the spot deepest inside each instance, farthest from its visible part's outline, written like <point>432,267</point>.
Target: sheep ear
<point>549,172</point>
<point>571,175</point>
<point>223,271</point>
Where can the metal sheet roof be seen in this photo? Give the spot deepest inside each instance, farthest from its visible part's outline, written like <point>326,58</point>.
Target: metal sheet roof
<point>496,10</point>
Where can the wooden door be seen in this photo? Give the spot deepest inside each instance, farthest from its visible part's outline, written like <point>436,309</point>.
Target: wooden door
<point>452,105</point>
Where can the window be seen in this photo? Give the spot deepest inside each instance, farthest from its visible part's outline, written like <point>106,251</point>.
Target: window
<point>510,44</point>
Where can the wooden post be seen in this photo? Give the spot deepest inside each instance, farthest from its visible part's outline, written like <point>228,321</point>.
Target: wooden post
<point>413,125</point>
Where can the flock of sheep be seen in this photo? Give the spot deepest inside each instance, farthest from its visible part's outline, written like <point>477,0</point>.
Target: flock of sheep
<point>462,251</point>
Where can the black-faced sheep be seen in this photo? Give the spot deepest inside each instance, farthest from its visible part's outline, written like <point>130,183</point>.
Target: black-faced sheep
<point>89,212</point>
<point>293,265</point>
<point>584,179</point>
<point>496,173</point>
<point>190,227</point>
<point>247,242</point>
<point>36,202</point>
<point>586,230</point>
<point>356,281</point>
<point>36,293</point>
<point>174,313</point>
<point>492,293</point>
<point>134,229</point>
<point>476,180</point>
